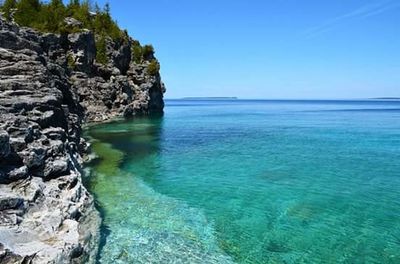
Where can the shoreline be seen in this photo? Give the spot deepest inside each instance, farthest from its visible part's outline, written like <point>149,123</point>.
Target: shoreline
<point>46,213</point>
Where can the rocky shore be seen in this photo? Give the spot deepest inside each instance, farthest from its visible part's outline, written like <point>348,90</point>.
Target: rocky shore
<point>49,86</point>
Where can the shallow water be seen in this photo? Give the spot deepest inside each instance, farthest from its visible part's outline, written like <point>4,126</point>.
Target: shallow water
<point>251,182</point>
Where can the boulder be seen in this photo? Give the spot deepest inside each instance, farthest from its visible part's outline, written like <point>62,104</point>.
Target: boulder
<point>10,203</point>
<point>56,168</point>
<point>18,173</point>
<point>18,143</point>
<point>33,157</point>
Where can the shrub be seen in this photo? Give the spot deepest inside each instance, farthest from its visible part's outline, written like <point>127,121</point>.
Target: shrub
<point>71,62</point>
<point>137,52</point>
<point>148,52</point>
<point>142,53</point>
<point>153,68</point>
<point>101,50</point>
<point>49,16</point>
<point>8,7</point>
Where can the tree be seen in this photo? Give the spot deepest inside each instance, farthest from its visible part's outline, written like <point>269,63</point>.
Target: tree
<point>104,24</point>
<point>75,2</point>
<point>8,7</point>
<point>28,13</point>
<point>49,16</point>
<point>80,11</point>
<point>53,14</point>
<point>107,9</point>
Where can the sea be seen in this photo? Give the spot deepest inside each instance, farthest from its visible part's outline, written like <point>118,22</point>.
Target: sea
<point>250,181</point>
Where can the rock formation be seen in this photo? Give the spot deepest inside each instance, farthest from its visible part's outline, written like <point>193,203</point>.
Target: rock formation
<point>49,85</point>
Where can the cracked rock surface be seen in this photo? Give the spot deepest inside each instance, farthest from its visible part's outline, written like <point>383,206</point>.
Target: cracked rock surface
<point>46,213</point>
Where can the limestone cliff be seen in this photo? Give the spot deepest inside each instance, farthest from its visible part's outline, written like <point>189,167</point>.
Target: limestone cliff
<point>49,85</point>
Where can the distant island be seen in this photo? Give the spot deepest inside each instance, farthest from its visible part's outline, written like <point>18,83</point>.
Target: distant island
<point>386,98</point>
<point>209,98</point>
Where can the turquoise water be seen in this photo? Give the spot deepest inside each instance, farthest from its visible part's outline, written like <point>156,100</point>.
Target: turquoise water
<point>251,182</point>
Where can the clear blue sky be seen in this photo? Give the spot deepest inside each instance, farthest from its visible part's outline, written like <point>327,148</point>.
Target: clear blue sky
<point>270,49</point>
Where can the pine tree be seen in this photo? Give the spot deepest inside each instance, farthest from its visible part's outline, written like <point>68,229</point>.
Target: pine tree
<point>8,7</point>
<point>107,9</point>
<point>28,13</point>
<point>54,14</point>
<point>49,16</point>
<point>80,11</point>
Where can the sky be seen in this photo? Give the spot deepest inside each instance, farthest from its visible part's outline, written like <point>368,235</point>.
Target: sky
<point>270,49</point>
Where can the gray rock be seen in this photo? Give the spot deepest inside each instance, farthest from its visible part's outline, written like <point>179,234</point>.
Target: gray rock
<point>55,133</point>
<point>82,50</point>
<point>4,144</point>
<point>122,58</point>
<point>18,173</point>
<point>46,213</point>
<point>10,203</point>
<point>72,22</point>
<point>18,143</point>
<point>33,157</point>
<point>56,168</point>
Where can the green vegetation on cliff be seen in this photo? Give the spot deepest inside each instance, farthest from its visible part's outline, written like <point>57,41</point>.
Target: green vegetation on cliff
<point>141,53</point>
<point>50,16</point>
<point>101,50</point>
<point>154,67</point>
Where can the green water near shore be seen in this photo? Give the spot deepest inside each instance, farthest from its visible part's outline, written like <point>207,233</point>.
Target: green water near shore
<point>251,182</point>
<point>140,225</point>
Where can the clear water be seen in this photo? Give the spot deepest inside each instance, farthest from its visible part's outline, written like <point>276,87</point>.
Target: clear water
<point>251,182</point>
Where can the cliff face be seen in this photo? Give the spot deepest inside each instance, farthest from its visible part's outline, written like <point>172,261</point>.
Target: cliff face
<point>121,87</point>
<point>49,86</point>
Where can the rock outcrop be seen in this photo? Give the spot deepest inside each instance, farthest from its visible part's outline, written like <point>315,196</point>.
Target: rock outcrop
<point>49,85</point>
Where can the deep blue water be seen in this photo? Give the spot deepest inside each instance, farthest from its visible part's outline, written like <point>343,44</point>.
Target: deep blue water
<point>251,181</point>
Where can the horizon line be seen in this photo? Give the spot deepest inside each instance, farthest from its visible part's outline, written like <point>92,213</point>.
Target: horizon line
<point>315,99</point>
